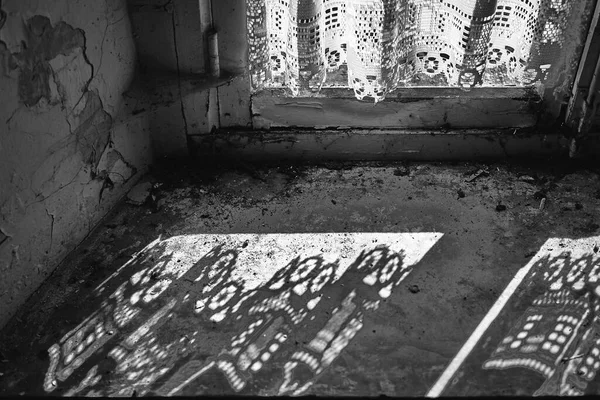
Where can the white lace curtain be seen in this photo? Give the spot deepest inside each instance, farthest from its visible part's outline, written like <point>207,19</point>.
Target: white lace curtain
<point>375,46</point>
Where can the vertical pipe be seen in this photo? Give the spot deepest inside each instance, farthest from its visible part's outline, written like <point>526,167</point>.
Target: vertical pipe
<point>210,37</point>
<point>211,50</point>
<point>206,21</point>
<point>213,54</point>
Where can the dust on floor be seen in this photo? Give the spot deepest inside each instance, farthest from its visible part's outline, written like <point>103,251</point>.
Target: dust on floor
<point>339,279</point>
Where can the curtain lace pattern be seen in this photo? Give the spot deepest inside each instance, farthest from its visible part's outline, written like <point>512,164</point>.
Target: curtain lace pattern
<point>376,46</point>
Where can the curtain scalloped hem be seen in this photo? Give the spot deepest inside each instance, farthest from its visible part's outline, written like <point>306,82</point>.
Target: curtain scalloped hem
<point>376,46</point>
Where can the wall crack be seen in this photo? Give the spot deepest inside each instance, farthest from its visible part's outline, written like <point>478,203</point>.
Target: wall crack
<point>51,215</point>
<point>108,25</point>
<point>59,69</point>
<point>185,122</point>
<point>55,191</point>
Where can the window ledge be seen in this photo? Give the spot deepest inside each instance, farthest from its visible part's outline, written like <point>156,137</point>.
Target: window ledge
<point>531,93</point>
<point>419,108</point>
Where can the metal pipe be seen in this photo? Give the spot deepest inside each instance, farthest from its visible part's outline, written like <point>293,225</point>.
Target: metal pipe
<point>206,20</point>
<point>211,39</point>
<point>213,54</point>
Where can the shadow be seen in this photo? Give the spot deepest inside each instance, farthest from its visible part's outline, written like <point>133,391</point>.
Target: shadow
<point>560,27</point>
<point>477,41</point>
<point>546,339</point>
<point>145,294</point>
<point>558,335</point>
<point>297,325</point>
<point>334,323</point>
<point>166,328</point>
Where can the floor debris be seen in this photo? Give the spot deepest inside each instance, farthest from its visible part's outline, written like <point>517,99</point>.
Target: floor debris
<point>539,195</point>
<point>121,303</point>
<point>527,178</point>
<point>139,193</point>
<point>477,174</point>
<point>402,171</point>
<point>414,289</point>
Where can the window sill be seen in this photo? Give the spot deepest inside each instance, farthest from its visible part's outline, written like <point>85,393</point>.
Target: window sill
<point>424,92</point>
<point>407,108</point>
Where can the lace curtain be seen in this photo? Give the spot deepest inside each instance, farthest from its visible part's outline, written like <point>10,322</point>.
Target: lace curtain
<point>375,46</point>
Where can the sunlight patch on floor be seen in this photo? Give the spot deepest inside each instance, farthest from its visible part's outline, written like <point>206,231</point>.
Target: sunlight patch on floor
<point>271,285</point>
<point>558,335</point>
<point>261,255</point>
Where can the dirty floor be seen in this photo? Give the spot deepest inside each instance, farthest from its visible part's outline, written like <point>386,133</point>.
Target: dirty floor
<point>339,279</point>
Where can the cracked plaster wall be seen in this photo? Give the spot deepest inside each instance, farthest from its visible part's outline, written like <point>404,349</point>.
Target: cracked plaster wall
<point>69,146</point>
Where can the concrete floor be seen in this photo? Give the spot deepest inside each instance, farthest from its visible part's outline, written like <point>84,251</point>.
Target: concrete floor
<point>342,279</point>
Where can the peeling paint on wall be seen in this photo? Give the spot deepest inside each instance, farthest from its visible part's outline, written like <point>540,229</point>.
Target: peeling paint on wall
<point>44,43</point>
<point>65,157</point>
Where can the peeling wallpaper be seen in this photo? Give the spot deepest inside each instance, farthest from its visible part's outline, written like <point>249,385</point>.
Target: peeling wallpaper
<point>69,148</point>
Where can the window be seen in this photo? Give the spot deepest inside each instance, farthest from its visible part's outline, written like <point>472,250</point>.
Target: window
<point>502,56</point>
